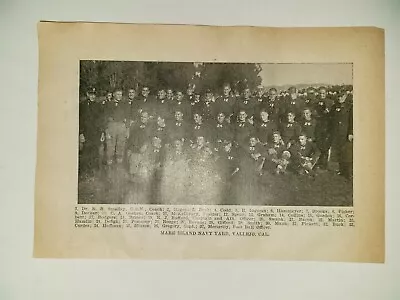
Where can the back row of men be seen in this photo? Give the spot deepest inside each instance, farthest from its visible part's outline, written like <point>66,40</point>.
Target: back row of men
<point>121,123</point>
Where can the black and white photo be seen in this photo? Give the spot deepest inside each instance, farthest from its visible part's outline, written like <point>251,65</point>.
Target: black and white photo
<point>215,133</point>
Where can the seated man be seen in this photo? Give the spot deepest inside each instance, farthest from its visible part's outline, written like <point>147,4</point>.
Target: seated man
<point>278,157</point>
<point>305,155</point>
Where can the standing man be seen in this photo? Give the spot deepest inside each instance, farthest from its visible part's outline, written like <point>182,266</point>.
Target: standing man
<point>341,131</point>
<point>226,103</point>
<point>293,103</point>
<point>322,134</point>
<point>116,132</point>
<point>91,126</point>
<point>247,104</point>
<point>273,105</point>
<point>144,102</point>
<point>90,129</point>
<point>131,116</point>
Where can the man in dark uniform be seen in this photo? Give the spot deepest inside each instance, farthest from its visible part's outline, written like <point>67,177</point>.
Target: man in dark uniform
<point>178,127</point>
<point>308,124</point>
<point>277,159</point>
<point>170,95</point>
<point>242,128</point>
<point>144,102</point>
<point>91,126</point>
<point>208,106</point>
<point>274,105</point>
<point>322,135</point>
<point>131,116</point>
<point>247,104</point>
<point>304,155</point>
<point>161,106</point>
<point>107,101</point>
<point>226,103</point>
<point>199,125</point>
<point>260,99</point>
<point>310,98</point>
<point>293,103</point>
<point>290,129</point>
<point>117,114</point>
<point>189,97</point>
<point>180,104</point>
<point>221,131</point>
<point>341,129</point>
<point>161,130</point>
<point>265,127</point>
<point>195,104</point>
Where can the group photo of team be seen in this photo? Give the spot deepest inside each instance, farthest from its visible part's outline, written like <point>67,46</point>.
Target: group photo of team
<point>215,133</point>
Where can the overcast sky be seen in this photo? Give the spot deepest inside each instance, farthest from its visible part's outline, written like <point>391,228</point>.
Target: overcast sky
<point>283,74</point>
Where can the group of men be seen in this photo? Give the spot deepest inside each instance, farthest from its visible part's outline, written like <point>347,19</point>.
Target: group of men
<point>249,133</point>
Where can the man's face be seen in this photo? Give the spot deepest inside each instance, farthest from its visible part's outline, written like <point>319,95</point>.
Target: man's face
<point>160,122</point>
<point>92,97</point>
<point>200,141</point>
<point>197,118</point>
<point>303,140</point>
<point>161,94</point>
<point>242,116</point>
<point>293,95</point>
<point>209,97</point>
<point>253,141</point>
<point>190,91</point>
<point>264,116</point>
<point>197,97</point>
<point>221,117</point>
<point>272,94</point>
<point>322,93</point>
<point>260,92</point>
<point>170,94</point>
<point>178,115</point>
<point>291,117</point>
<point>145,91</point>
<point>131,94</point>
<point>276,138</point>
<point>109,96</point>
<point>179,96</point>
<point>118,95</point>
<point>247,93</point>
<point>144,117</point>
<point>307,114</point>
<point>227,90</point>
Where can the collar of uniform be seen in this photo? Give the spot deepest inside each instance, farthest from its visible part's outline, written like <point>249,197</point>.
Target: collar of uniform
<point>289,125</point>
<point>220,125</point>
<point>178,123</point>
<point>143,125</point>
<point>265,124</point>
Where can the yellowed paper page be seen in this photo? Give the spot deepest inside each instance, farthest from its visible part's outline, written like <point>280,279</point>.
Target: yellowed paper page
<point>332,220</point>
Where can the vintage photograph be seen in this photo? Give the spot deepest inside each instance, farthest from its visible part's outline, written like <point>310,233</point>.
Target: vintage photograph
<point>215,133</point>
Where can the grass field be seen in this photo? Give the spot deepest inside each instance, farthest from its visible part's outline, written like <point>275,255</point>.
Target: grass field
<point>326,189</point>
